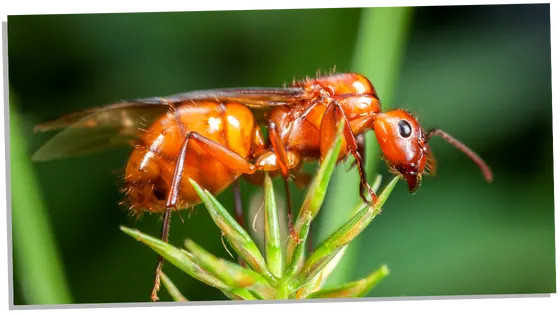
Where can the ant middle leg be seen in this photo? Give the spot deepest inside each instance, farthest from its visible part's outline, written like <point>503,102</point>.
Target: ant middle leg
<point>282,162</point>
<point>279,159</point>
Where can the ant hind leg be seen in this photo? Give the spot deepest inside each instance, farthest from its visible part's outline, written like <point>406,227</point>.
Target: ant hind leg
<point>217,151</point>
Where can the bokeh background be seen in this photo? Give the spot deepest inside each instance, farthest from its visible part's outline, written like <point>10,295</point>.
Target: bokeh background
<point>482,73</point>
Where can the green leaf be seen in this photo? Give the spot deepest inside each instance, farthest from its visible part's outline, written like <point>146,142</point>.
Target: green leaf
<point>312,204</point>
<point>228,272</point>
<point>344,235</point>
<point>311,286</point>
<point>354,289</point>
<point>236,236</point>
<point>180,258</point>
<point>239,294</point>
<point>273,246</point>
<point>172,289</point>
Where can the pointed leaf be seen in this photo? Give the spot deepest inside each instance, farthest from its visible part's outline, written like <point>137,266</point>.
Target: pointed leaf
<point>344,235</point>
<point>228,272</point>
<point>273,246</point>
<point>262,291</point>
<point>258,296</point>
<point>177,257</point>
<point>172,289</point>
<point>239,294</point>
<point>298,250</point>
<point>311,286</point>
<point>236,236</point>
<point>354,289</point>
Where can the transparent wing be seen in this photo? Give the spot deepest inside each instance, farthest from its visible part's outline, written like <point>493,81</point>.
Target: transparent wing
<point>97,129</point>
<point>255,97</point>
<point>114,125</point>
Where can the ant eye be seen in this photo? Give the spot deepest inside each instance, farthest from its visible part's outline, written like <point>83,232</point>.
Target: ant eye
<point>405,130</point>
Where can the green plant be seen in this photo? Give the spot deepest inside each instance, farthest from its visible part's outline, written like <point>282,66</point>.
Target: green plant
<point>282,273</point>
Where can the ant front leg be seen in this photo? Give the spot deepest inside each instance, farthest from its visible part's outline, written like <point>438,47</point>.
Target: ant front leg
<point>217,151</point>
<point>361,141</point>
<point>334,114</point>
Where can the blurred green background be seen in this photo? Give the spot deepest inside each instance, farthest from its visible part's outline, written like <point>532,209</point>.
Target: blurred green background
<point>482,73</point>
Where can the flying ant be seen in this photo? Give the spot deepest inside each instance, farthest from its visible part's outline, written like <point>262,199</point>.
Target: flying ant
<point>214,137</point>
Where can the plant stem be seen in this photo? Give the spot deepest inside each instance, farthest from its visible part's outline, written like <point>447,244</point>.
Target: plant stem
<point>282,291</point>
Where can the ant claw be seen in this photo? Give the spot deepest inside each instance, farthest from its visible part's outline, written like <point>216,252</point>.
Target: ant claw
<point>373,197</point>
<point>295,236</point>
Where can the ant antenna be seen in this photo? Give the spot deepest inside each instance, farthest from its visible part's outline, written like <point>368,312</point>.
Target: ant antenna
<point>486,171</point>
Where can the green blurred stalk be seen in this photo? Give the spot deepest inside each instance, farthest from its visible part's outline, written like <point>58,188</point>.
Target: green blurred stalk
<point>378,55</point>
<point>39,268</point>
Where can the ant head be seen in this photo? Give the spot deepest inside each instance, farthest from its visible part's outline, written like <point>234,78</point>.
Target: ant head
<point>405,146</point>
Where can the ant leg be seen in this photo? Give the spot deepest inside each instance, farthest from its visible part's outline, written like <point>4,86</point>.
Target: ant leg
<point>334,114</point>
<point>256,179</point>
<point>301,178</point>
<point>164,237</point>
<point>258,149</point>
<point>238,203</point>
<point>282,158</point>
<point>238,212</point>
<point>361,141</point>
<point>307,110</point>
<point>217,151</point>
<point>171,203</point>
